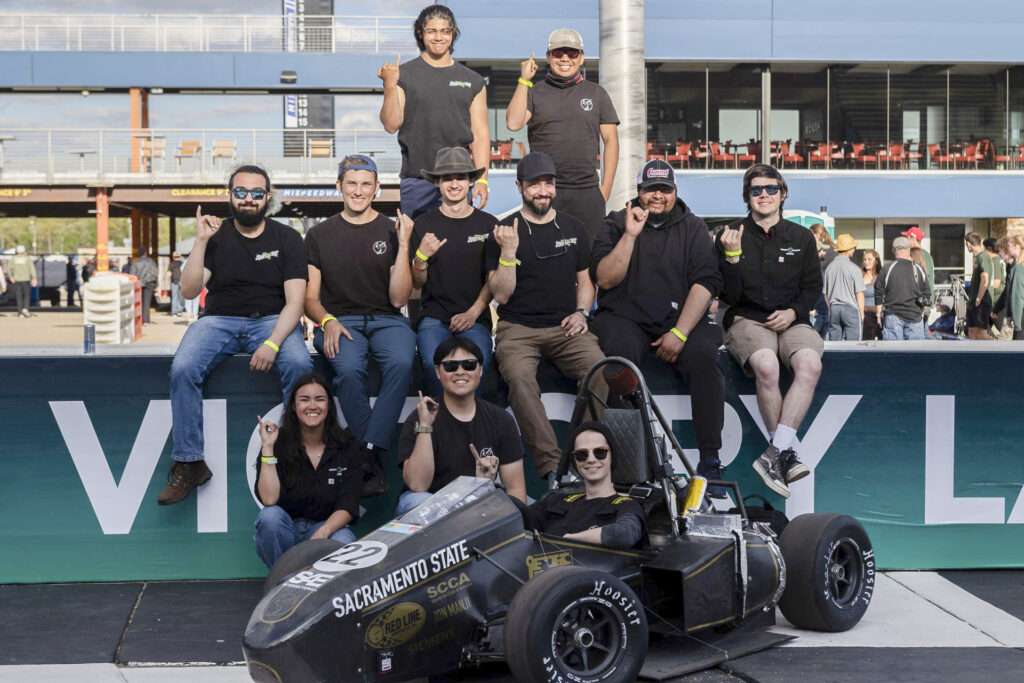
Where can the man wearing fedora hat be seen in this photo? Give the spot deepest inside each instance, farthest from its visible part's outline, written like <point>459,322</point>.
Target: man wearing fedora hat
<point>447,248</point>
<point>844,292</point>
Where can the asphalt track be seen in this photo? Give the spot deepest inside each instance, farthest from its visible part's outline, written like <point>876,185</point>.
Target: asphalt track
<point>922,626</point>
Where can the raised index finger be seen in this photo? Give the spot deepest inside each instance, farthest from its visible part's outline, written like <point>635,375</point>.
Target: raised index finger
<point>199,213</point>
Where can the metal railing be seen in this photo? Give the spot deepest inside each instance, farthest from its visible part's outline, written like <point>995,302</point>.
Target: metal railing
<point>205,33</point>
<point>45,156</point>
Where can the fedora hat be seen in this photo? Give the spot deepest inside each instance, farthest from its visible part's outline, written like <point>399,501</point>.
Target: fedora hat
<point>452,161</point>
<point>845,242</point>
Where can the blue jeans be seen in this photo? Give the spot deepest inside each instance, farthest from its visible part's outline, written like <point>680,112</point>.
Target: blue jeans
<point>410,499</point>
<point>429,336</point>
<point>896,328</point>
<point>206,344</point>
<point>277,531</point>
<point>177,306</point>
<point>418,196</point>
<point>389,339</point>
<point>192,306</point>
<point>844,323</point>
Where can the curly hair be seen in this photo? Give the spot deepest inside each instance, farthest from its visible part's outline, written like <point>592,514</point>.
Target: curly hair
<point>434,12</point>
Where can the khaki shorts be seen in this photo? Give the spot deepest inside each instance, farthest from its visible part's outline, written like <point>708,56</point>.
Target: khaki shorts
<point>747,336</point>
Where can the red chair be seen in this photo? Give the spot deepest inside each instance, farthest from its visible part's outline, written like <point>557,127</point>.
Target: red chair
<point>718,156</point>
<point>937,156</point>
<point>818,155</point>
<point>682,155</point>
<point>894,156</point>
<point>790,157</point>
<point>501,152</point>
<point>651,154</point>
<point>860,155</point>
<point>700,153</point>
<point>970,156</point>
<point>1019,159</point>
<point>752,155</point>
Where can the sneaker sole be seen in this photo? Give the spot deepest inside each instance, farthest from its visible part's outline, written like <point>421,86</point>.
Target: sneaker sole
<point>797,473</point>
<point>769,482</point>
<point>209,475</point>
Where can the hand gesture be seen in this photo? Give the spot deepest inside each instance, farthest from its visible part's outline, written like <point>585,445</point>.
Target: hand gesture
<point>780,320</point>
<point>462,321</point>
<point>507,237</point>
<point>206,226</point>
<point>731,239</point>
<point>403,225</point>
<point>388,73</point>
<point>635,219</point>
<point>528,68</point>
<point>430,244</point>
<point>262,359</point>
<point>480,191</point>
<point>668,347</point>
<point>574,324</point>
<point>268,432</point>
<point>426,410</point>
<point>333,332</point>
<point>486,467</point>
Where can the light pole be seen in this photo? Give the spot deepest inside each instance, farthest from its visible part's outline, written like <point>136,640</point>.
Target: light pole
<point>32,227</point>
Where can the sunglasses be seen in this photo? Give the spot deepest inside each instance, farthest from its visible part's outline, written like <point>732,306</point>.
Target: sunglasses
<point>241,192</point>
<point>581,454</point>
<point>755,190</point>
<point>469,365</point>
<point>569,52</point>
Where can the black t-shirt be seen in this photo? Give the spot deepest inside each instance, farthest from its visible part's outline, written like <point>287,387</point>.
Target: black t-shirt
<point>456,272</point>
<point>315,494</point>
<point>436,112</point>
<point>355,264</point>
<point>568,513</point>
<point>565,124</point>
<point>546,275</point>
<point>175,269</point>
<point>492,431</point>
<point>248,273</point>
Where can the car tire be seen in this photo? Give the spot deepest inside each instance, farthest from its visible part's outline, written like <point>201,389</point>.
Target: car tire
<point>830,572</point>
<point>299,556</point>
<point>592,618</point>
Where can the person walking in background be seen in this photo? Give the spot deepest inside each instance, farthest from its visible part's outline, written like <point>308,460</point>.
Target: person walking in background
<point>1012,299</point>
<point>145,269</point>
<point>979,298</point>
<point>21,272</point>
<point>901,293</point>
<point>871,264</point>
<point>174,273</point>
<point>844,292</point>
<point>71,281</point>
<point>998,329</point>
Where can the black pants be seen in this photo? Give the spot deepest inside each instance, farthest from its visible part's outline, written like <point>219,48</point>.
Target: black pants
<point>23,294</point>
<point>586,203</point>
<point>697,363</point>
<point>147,301</point>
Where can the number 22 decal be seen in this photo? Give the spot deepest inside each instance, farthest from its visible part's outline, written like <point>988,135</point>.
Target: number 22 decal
<point>352,556</point>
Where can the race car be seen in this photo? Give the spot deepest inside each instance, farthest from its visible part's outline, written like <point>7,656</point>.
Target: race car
<point>464,580</point>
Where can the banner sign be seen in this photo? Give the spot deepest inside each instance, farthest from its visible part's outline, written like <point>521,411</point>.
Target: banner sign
<point>924,448</point>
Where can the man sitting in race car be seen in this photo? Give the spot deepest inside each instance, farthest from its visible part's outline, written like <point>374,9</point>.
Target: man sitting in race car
<point>600,515</point>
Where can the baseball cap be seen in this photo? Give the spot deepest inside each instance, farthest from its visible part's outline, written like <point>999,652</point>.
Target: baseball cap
<point>656,172</point>
<point>361,163</point>
<point>565,37</point>
<point>901,243</point>
<point>535,165</point>
<point>20,249</point>
<point>914,232</point>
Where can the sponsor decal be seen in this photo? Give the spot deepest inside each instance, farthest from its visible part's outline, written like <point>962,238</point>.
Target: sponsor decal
<point>459,84</point>
<point>380,247</point>
<point>395,625</point>
<point>613,595</point>
<point>15,192</point>
<point>399,528</point>
<point>267,255</point>
<point>432,642</point>
<point>352,556</point>
<point>535,564</point>
<point>568,241</point>
<point>448,611</point>
<point>281,605</point>
<point>309,580</point>
<point>586,104</point>
<point>789,251</point>
<point>657,173</point>
<point>199,192</point>
<point>384,661</point>
<point>476,238</point>
<point>449,586</point>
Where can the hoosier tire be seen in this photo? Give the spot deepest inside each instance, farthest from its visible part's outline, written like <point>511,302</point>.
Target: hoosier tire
<point>299,556</point>
<point>830,572</point>
<point>575,625</point>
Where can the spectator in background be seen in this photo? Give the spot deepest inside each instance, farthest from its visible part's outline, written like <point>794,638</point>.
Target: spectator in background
<point>871,264</point>
<point>126,268</point>
<point>88,269</point>
<point>826,252</point>
<point>917,256</point>
<point>1012,299</point>
<point>979,297</point>
<point>998,283</point>
<point>916,237</point>
<point>3,280</point>
<point>174,273</point>
<point>21,272</point>
<point>191,305</point>
<point>71,281</point>
<point>145,269</point>
<point>945,325</point>
<point>901,293</point>
<point>844,291</point>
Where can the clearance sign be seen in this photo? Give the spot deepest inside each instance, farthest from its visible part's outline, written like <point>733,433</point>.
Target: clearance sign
<point>912,444</point>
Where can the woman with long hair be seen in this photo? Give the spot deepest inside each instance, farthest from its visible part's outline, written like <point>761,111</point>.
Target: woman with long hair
<point>309,477</point>
<point>917,256</point>
<point>1012,299</point>
<point>871,265</point>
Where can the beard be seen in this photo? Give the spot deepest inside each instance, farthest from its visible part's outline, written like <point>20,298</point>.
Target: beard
<point>249,217</point>
<point>538,208</point>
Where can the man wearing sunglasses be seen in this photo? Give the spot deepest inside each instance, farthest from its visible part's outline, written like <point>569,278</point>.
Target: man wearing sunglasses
<point>254,270</point>
<point>458,434</point>
<point>567,118</point>
<point>657,271</point>
<point>772,282</point>
<point>538,274</point>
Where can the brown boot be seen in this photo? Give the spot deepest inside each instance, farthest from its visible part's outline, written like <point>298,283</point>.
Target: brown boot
<point>183,477</point>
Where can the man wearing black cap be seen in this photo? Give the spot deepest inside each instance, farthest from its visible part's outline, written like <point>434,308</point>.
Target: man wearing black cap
<point>359,278</point>
<point>568,117</point>
<point>538,274</point>
<point>448,264</point>
<point>657,272</point>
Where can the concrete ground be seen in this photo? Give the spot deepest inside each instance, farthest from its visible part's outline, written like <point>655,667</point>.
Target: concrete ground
<point>54,326</point>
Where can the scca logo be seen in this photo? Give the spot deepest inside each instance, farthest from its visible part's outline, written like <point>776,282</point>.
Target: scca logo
<point>449,586</point>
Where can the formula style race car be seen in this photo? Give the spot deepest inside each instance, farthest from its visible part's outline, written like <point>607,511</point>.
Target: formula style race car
<point>463,580</point>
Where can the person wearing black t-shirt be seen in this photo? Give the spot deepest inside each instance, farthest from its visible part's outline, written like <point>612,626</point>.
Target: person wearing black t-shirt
<point>657,271</point>
<point>600,515</point>
<point>308,477</point>
<point>458,434</point>
<point>568,117</point>
<point>539,275</point>
<point>358,280</point>
<point>254,270</point>
<point>434,102</point>
<point>448,264</point>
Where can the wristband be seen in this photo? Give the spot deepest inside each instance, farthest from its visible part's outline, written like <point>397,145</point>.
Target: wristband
<point>583,311</point>
<point>272,345</point>
<point>272,460</point>
<point>679,334</point>
<point>327,318</point>
<point>509,264</point>
<point>421,256</point>
<point>482,181</point>
<point>730,254</point>
<point>528,84</point>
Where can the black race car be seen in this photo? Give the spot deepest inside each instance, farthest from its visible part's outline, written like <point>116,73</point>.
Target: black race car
<point>463,580</point>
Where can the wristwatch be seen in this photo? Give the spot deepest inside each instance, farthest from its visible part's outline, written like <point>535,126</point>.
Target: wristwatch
<point>423,429</point>
<point>584,311</point>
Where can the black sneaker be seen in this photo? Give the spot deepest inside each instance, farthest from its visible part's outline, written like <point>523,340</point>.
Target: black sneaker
<point>770,466</point>
<point>183,477</point>
<point>375,481</point>
<point>794,469</point>
<point>711,468</point>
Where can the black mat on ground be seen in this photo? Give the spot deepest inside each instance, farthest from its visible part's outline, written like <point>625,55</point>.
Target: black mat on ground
<point>858,664</point>
<point>190,621</point>
<point>75,623</point>
<point>1003,588</point>
<point>670,658</point>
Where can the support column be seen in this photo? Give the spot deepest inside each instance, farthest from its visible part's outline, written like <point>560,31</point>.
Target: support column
<point>137,231</point>
<point>766,115</point>
<point>139,122</point>
<point>624,76</point>
<point>172,239</point>
<point>102,229</point>
<point>154,236</point>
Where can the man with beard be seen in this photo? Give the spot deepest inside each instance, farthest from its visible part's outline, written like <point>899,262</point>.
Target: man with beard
<point>539,276</point>
<point>434,102</point>
<point>358,280</point>
<point>657,271</point>
<point>567,118</point>
<point>254,270</point>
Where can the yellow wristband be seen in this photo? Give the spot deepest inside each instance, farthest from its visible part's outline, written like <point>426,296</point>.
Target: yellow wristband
<point>421,256</point>
<point>268,460</point>
<point>730,254</point>
<point>678,334</point>
<point>510,264</point>
<point>482,181</point>
<point>528,84</point>
<point>272,345</point>
<point>326,318</point>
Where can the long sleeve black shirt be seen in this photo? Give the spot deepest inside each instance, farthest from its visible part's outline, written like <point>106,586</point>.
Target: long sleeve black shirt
<point>778,269</point>
<point>900,288</point>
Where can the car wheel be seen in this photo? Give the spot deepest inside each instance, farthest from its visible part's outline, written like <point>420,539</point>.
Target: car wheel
<point>573,624</point>
<point>830,572</point>
<point>299,556</point>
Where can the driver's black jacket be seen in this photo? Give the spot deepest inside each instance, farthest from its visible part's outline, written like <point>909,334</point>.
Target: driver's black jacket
<point>619,517</point>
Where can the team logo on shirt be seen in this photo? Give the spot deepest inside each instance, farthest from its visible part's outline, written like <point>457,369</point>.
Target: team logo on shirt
<point>266,255</point>
<point>568,241</point>
<point>586,104</point>
<point>476,238</point>
<point>789,251</point>
<point>486,452</point>
<point>459,84</point>
<point>379,247</point>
